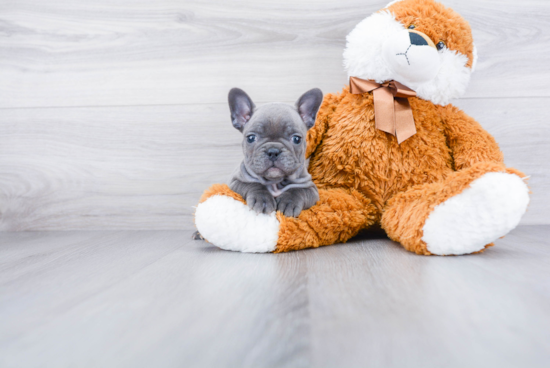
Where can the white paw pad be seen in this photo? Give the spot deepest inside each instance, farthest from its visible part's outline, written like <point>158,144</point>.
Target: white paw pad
<point>487,210</point>
<point>229,224</point>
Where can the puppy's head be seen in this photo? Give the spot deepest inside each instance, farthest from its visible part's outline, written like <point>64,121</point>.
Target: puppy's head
<point>419,43</point>
<point>274,134</point>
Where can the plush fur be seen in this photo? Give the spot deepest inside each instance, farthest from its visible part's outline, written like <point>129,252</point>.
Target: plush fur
<point>226,220</point>
<point>443,191</point>
<point>364,57</point>
<point>489,208</point>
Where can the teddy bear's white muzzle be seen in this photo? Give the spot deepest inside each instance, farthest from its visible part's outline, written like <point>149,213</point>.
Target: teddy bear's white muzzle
<point>412,61</point>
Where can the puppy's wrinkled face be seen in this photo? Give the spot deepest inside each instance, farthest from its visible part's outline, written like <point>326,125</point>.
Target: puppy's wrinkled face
<point>274,141</point>
<point>274,135</point>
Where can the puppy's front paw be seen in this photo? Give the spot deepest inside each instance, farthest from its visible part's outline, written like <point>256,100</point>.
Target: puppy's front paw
<point>290,205</point>
<point>261,201</point>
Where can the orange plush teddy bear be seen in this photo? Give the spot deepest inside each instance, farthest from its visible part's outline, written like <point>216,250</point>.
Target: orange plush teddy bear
<point>390,150</point>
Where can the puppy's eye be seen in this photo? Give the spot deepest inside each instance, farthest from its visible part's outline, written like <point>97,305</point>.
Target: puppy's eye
<point>412,26</point>
<point>251,138</point>
<point>440,45</point>
<point>296,139</point>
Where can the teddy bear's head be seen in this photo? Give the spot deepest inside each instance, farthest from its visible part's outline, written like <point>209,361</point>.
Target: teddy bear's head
<point>419,43</point>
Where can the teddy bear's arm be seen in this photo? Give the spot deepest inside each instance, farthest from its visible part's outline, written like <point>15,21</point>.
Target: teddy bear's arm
<point>316,133</point>
<point>469,142</point>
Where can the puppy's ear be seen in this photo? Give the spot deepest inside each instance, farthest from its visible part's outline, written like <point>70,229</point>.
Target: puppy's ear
<point>241,107</point>
<point>308,105</point>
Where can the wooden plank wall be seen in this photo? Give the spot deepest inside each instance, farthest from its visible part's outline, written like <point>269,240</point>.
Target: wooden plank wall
<point>113,112</point>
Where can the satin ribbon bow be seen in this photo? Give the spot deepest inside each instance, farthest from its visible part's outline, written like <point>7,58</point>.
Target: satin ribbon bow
<point>392,111</point>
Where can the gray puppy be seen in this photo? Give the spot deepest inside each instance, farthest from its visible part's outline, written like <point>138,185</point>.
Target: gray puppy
<point>273,175</point>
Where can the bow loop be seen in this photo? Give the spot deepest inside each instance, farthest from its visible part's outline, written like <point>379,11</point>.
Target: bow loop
<point>392,111</point>
<point>400,90</point>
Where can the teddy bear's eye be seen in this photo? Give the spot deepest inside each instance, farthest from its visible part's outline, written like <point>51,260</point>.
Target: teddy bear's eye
<point>412,26</point>
<point>440,45</point>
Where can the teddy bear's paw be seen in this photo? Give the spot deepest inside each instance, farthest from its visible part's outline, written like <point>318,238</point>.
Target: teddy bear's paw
<point>230,224</point>
<point>487,210</point>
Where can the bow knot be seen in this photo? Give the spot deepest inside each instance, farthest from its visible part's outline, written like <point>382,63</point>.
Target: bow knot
<point>392,111</point>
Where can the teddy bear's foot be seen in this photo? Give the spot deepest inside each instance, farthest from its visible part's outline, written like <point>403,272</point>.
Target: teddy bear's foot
<point>223,219</point>
<point>461,215</point>
<point>230,224</point>
<point>487,210</point>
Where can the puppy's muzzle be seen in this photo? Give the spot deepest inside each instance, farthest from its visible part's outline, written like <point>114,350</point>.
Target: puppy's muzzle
<point>273,154</point>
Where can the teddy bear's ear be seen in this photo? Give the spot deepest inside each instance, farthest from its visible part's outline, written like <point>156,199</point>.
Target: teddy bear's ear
<point>241,107</point>
<point>308,105</point>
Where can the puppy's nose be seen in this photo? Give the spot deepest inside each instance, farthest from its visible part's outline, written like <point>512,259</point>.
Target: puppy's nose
<point>417,39</point>
<point>273,153</point>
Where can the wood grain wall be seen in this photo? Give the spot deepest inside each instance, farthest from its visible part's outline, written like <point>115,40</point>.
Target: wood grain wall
<point>113,113</point>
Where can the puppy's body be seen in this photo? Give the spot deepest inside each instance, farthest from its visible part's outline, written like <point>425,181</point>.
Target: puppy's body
<point>293,194</point>
<point>273,175</point>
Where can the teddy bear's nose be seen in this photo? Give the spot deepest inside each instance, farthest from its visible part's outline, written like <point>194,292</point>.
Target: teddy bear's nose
<point>417,39</point>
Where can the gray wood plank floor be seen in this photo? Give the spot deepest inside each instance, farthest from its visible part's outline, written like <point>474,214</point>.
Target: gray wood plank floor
<point>158,299</point>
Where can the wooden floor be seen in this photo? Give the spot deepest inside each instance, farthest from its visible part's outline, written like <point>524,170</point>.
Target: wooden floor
<point>158,299</point>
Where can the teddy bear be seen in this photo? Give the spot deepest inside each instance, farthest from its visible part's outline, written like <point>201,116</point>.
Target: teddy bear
<point>389,151</point>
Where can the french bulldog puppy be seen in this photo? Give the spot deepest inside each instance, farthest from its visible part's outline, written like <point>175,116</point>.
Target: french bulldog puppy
<point>273,175</point>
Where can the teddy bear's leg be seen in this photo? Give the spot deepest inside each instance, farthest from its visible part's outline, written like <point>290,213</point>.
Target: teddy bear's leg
<point>338,216</point>
<point>460,215</point>
<point>223,218</point>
